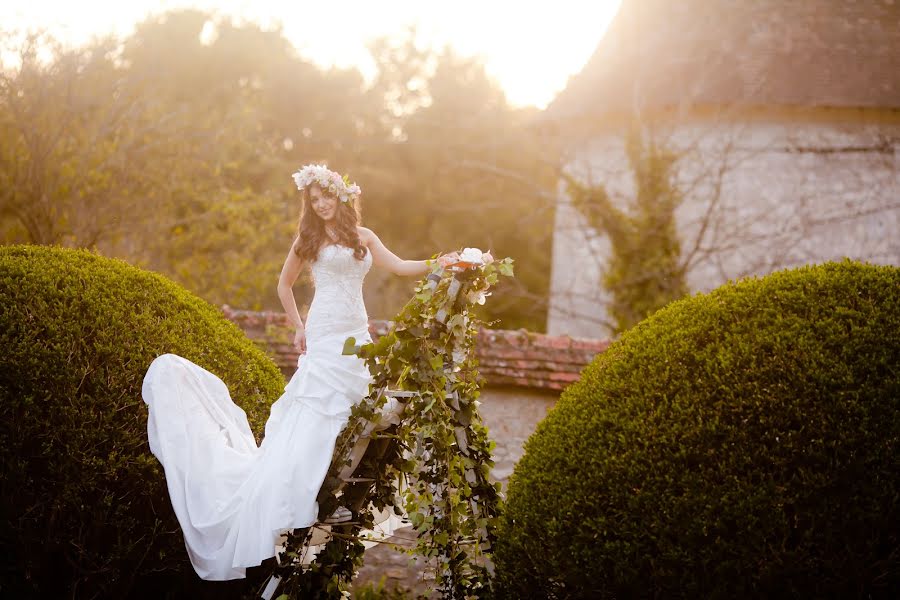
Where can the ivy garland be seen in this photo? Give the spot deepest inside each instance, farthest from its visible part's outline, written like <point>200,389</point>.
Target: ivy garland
<point>433,466</point>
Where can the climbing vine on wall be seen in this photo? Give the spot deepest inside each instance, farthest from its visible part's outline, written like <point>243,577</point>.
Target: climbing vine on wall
<point>433,466</point>
<point>644,271</point>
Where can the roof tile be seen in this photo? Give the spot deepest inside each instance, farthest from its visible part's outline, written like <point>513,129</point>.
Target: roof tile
<point>794,53</point>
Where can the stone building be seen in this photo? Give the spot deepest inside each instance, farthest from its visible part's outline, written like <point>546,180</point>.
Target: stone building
<point>785,116</point>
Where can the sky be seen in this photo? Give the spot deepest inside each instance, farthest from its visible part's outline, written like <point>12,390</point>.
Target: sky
<point>531,48</point>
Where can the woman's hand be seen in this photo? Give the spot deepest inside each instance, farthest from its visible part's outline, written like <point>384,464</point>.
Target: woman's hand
<point>448,259</point>
<point>300,340</point>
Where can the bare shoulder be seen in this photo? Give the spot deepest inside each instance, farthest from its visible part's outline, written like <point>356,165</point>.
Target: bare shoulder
<point>366,235</point>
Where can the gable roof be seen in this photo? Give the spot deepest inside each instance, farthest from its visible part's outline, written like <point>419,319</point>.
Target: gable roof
<point>658,54</point>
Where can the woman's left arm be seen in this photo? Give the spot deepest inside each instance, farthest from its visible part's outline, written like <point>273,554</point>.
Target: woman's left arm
<point>384,258</point>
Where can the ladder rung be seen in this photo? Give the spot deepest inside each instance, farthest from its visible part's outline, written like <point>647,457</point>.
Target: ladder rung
<point>400,394</point>
<point>405,394</point>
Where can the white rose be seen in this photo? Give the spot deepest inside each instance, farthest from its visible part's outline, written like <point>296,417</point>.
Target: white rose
<point>471,255</point>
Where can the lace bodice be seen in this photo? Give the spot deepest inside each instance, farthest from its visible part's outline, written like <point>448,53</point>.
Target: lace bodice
<point>337,305</point>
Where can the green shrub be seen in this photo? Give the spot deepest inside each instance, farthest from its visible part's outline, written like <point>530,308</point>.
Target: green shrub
<point>85,505</point>
<point>741,443</point>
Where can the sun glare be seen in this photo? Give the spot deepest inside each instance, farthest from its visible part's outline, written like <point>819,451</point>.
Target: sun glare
<point>530,48</point>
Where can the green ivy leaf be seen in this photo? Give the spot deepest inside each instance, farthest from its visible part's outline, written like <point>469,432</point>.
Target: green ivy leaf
<point>350,347</point>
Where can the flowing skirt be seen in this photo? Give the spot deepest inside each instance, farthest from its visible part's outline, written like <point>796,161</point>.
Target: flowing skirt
<point>234,499</point>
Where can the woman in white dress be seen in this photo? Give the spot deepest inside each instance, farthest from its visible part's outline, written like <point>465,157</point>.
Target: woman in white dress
<point>232,498</point>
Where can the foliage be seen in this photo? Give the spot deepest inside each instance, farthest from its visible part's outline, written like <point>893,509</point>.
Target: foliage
<point>440,449</point>
<point>742,443</point>
<point>644,271</point>
<point>85,505</point>
<point>476,170</point>
<point>379,592</point>
<point>172,148</point>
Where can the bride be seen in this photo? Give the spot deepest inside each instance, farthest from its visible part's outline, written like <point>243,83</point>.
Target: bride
<point>232,498</point>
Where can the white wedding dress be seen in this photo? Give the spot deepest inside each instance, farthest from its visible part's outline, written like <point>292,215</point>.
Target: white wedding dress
<point>232,498</point>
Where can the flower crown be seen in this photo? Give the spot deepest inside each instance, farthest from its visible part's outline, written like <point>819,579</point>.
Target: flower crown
<point>328,180</point>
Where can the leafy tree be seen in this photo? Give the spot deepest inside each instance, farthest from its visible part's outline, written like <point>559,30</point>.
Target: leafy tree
<point>473,167</point>
<point>172,148</point>
<point>81,163</point>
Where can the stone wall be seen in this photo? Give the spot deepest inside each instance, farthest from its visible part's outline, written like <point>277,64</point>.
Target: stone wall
<point>763,190</point>
<point>511,415</point>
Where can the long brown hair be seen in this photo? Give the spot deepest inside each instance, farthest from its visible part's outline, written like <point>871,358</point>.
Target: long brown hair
<point>311,234</point>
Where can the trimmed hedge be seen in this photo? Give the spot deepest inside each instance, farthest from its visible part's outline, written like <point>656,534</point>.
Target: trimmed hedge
<point>743,443</point>
<point>85,505</point>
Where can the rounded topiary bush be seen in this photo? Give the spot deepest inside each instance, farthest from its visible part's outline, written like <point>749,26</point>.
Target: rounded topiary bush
<point>740,443</point>
<point>85,505</point>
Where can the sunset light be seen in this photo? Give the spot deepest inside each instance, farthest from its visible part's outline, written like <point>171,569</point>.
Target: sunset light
<point>531,48</point>
<point>474,299</point>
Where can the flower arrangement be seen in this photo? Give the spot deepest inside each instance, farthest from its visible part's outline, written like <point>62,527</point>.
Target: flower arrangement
<point>473,257</point>
<point>330,182</point>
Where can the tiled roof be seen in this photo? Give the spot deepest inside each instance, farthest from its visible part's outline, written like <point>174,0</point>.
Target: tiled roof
<point>534,360</point>
<point>515,358</point>
<point>789,53</point>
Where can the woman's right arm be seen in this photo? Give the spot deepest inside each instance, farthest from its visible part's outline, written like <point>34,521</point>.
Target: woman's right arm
<point>289,273</point>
